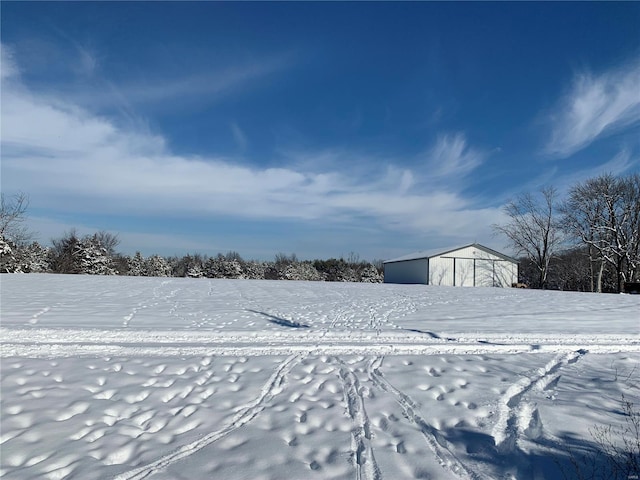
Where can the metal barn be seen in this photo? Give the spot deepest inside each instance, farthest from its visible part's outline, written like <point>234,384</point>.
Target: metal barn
<point>469,266</point>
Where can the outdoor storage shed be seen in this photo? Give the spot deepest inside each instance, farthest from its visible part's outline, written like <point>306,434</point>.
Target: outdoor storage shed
<point>468,266</point>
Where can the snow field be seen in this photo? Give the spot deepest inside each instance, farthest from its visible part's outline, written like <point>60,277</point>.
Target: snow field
<point>131,378</point>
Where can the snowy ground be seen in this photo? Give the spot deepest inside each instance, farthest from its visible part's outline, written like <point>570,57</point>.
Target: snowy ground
<point>130,378</point>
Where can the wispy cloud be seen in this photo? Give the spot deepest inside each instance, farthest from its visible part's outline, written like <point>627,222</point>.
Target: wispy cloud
<point>87,63</point>
<point>451,156</point>
<point>622,162</point>
<point>8,65</point>
<point>595,106</point>
<point>70,159</point>
<point>213,83</point>
<point>239,136</point>
<point>169,90</point>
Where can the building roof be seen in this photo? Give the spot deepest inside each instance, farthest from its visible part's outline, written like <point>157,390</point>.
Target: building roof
<point>424,254</point>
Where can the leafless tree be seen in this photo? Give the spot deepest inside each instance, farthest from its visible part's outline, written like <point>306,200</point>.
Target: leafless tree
<point>61,255</point>
<point>533,230</point>
<point>12,217</point>
<point>108,241</point>
<point>91,254</point>
<point>603,213</point>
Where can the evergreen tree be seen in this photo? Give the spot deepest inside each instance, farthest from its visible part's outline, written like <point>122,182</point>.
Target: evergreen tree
<point>34,258</point>
<point>93,258</point>
<point>8,261</point>
<point>137,265</point>
<point>157,266</point>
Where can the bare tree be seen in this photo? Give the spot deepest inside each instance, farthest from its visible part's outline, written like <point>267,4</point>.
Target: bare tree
<point>581,212</point>
<point>532,229</point>
<point>108,241</point>
<point>61,255</point>
<point>85,255</point>
<point>12,216</point>
<point>603,213</point>
<point>632,229</point>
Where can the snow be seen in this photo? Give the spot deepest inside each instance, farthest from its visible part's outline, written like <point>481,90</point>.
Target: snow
<point>166,378</point>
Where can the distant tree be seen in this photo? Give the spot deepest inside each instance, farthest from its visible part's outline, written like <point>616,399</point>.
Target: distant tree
<point>34,258</point>
<point>108,241</point>
<point>188,266</point>
<point>61,255</point>
<point>581,214</point>
<point>300,271</point>
<point>93,258</point>
<point>603,213</point>
<point>8,261</point>
<point>136,265</point>
<point>570,271</point>
<point>121,263</point>
<point>71,254</point>
<point>370,274</point>
<point>12,217</point>
<point>335,270</point>
<point>255,270</point>
<point>157,266</point>
<point>224,266</point>
<point>533,230</point>
<point>282,259</point>
<point>195,271</point>
<point>353,258</point>
<point>233,256</point>
<point>379,265</point>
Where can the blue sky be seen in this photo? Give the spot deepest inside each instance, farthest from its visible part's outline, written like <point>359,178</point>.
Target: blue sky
<point>315,128</point>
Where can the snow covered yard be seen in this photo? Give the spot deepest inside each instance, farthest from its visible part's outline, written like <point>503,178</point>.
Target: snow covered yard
<point>165,378</point>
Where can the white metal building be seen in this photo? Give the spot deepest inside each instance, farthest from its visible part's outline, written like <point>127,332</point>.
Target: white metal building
<point>472,265</point>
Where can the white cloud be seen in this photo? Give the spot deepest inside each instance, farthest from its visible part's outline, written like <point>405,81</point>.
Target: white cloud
<point>204,84</point>
<point>595,106</point>
<point>239,136</point>
<point>619,164</point>
<point>87,62</point>
<point>71,160</point>
<point>173,91</point>
<point>8,66</point>
<point>452,157</point>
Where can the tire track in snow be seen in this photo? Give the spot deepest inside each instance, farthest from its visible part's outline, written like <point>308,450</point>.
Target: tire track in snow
<point>434,438</point>
<point>133,342</point>
<point>362,452</point>
<point>271,388</point>
<point>517,418</point>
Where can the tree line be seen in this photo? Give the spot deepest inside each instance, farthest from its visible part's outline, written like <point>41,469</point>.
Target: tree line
<point>586,241</point>
<point>96,254</point>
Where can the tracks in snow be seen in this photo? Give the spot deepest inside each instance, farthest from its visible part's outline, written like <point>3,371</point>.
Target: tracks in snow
<point>434,438</point>
<point>516,417</point>
<point>362,452</point>
<point>70,342</point>
<point>271,388</point>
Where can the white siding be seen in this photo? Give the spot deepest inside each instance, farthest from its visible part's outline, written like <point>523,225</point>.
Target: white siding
<point>470,266</point>
<point>484,273</point>
<point>410,271</point>
<point>440,271</point>
<point>464,272</point>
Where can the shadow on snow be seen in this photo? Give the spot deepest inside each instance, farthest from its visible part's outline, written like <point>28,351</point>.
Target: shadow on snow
<point>283,322</point>
<point>563,458</point>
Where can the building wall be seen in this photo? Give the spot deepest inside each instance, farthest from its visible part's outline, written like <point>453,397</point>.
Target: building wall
<point>467,267</point>
<point>410,271</point>
<point>470,267</point>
